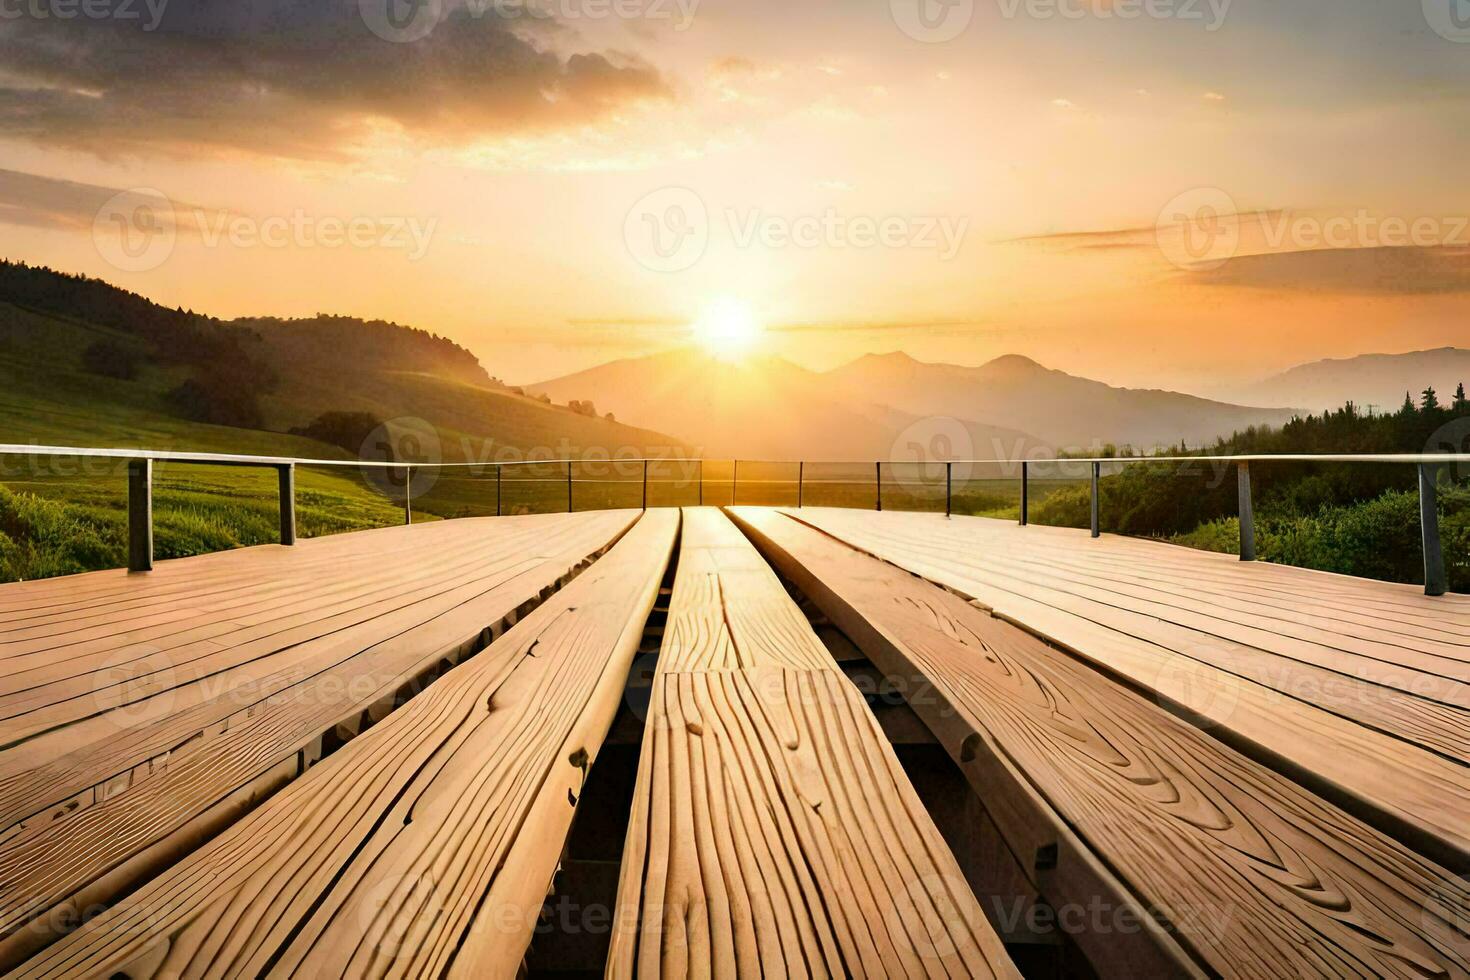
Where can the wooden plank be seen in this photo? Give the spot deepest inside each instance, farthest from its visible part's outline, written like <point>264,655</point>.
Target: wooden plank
<point>1255,875</point>
<point>1389,698</point>
<point>774,831</point>
<point>275,732</point>
<point>1371,754</point>
<point>1425,666</point>
<point>141,709</point>
<point>726,593</point>
<point>424,847</point>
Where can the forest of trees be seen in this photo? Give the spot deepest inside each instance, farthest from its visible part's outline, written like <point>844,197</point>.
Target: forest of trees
<point>226,378</point>
<point>1360,519</point>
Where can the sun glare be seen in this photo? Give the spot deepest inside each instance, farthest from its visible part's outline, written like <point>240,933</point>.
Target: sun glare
<point>728,329</point>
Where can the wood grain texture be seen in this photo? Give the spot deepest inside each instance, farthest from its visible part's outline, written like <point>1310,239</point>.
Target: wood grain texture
<point>424,847</point>
<point>1394,756</point>
<point>774,832</point>
<point>78,856</point>
<point>1256,876</point>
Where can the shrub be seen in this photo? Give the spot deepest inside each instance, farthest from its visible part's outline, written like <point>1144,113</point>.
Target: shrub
<point>349,430</point>
<point>109,359</point>
<point>216,401</point>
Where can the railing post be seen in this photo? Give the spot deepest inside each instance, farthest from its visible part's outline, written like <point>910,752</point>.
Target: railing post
<point>735,484</point>
<point>1247,513</point>
<point>1025,493</point>
<point>645,484</point>
<point>1434,577</point>
<point>408,495</point>
<point>140,515</point>
<point>800,484</point>
<point>949,489</point>
<point>569,485</point>
<point>700,475</point>
<point>499,472</point>
<point>878,470</point>
<point>1096,476</point>
<point>287,479</point>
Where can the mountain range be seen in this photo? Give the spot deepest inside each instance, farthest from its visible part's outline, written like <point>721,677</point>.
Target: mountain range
<point>876,406</point>
<point>766,408</point>
<point>1380,380</point>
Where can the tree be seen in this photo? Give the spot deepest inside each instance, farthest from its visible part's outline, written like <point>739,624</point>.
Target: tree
<point>1430,401</point>
<point>1407,408</point>
<point>109,359</point>
<point>349,430</point>
<point>1461,403</point>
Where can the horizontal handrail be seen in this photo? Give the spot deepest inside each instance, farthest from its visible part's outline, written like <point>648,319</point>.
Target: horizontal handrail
<point>228,459</point>
<point>140,464</point>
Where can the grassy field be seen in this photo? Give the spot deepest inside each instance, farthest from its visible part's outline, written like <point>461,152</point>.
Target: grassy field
<point>63,515</point>
<point>59,516</point>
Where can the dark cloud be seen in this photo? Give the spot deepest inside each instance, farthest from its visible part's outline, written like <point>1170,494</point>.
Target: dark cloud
<point>301,79</point>
<point>35,201</point>
<point>45,202</point>
<point>1143,237</point>
<point>1401,270</point>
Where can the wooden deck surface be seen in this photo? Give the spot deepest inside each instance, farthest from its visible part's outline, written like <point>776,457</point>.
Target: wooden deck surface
<point>1251,874</point>
<point>410,851</point>
<point>774,832</point>
<point>362,756</point>
<point>141,713</point>
<point>1360,687</point>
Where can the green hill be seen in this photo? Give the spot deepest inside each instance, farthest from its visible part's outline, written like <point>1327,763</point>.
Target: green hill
<point>91,365</point>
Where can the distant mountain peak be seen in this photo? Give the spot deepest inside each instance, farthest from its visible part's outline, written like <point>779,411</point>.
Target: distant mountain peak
<point>1015,364</point>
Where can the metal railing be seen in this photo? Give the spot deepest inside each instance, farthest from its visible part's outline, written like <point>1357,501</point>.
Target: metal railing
<point>140,464</point>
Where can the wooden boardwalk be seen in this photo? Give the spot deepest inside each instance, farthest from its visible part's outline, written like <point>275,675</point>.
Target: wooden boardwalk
<point>363,756</point>
<point>1360,687</point>
<point>140,715</point>
<point>1251,874</point>
<point>773,831</point>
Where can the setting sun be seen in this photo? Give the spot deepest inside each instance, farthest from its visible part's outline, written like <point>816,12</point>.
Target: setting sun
<point>728,329</point>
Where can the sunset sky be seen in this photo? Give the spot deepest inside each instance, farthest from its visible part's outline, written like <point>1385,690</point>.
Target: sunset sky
<point>1197,195</point>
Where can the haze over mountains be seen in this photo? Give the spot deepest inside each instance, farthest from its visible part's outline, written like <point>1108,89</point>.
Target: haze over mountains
<point>1379,380</point>
<point>766,408</point>
<point>250,382</point>
<point>774,409</point>
<point>274,376</point>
